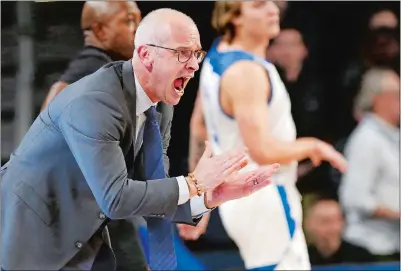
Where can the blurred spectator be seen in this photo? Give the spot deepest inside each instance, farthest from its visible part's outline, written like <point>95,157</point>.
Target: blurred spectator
<point>108,30</point>
<point>379,47</point>
<point>383,18</point>
<point>324,226</point>
<point>369,190</point>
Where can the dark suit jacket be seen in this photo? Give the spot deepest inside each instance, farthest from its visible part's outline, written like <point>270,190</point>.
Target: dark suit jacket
<point>71,170</point>
<point>123,233</point>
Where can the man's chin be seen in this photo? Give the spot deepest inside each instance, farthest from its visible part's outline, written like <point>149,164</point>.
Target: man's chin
<point>274,32</point>
<point>175,101</point>
<point>172,100</point>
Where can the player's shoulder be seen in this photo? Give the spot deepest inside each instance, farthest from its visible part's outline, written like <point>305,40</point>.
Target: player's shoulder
<point>245,69</point>
<point>222,61</point>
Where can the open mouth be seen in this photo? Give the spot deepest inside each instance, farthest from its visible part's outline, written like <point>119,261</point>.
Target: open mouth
<point>179,85</point>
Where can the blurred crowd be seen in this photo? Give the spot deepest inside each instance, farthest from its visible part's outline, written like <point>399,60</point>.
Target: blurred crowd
<point>355,217</point>
<point>350,217</point>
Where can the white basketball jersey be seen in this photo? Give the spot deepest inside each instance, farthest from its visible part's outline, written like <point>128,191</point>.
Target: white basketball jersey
<point>223,132</point>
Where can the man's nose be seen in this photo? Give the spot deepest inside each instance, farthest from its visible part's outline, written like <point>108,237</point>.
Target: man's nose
<point>272,9</point>
<point>193,64</point>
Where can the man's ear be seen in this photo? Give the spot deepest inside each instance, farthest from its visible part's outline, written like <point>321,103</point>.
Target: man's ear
<point>237,21</point>
<point>99,31</point>
<point>91,39</point>
<point>145,56</point>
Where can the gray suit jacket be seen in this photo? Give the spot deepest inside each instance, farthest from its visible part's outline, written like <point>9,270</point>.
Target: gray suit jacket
<point>70,173</point>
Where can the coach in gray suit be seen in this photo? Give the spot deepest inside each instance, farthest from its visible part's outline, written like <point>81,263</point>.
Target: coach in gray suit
<point>70,174</point>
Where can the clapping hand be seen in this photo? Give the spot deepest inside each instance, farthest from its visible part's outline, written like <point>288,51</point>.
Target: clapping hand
<point>236,186</point>
<point>240,185</point>
<point>211,171</point>
<point>220,177</point>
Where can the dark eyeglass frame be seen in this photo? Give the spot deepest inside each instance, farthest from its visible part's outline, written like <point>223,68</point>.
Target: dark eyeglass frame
<point>199,58</point>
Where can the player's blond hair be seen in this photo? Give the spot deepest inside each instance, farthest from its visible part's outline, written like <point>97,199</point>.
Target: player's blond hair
<point>223,14</point>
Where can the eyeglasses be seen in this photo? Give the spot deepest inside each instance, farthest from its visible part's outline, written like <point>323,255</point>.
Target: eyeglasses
<point>183,54</point>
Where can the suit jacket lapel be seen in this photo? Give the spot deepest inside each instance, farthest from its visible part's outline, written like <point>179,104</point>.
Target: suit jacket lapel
<point>130,92</point>
<point>139,140</point>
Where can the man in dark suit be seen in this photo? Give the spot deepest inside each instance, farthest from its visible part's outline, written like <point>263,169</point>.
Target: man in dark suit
<point>109,31</point>
<point>98,152</point>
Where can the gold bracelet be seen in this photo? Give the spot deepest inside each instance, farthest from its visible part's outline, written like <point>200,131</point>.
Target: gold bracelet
<point>199,189</point>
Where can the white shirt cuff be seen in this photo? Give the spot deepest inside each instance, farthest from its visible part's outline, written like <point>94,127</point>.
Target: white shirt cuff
<point>198,207</point>
<point>183,190</point>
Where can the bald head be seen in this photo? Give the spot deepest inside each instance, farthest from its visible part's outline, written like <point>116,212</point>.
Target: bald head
<point>111,26</point>
<point>161,24</point>
<point>383,18</point>
<point>100,11</point>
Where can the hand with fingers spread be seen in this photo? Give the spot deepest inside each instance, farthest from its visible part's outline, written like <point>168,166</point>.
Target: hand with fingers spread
<point>212,170</point>
<point>240,185</point>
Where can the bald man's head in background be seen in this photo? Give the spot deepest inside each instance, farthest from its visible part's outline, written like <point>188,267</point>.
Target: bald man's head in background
<point>111,26</point>
<point>383,18</point>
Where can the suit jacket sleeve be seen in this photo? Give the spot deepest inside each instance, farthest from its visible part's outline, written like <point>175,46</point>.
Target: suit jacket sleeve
<point>92,125</point>
<point>183,213</point>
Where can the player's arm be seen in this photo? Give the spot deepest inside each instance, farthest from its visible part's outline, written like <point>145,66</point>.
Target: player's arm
<point>198,134</point>
<point>247,88</point>
<point>55,89</point>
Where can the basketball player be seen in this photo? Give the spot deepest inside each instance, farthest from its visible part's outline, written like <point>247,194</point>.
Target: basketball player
<point>244,102</point>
